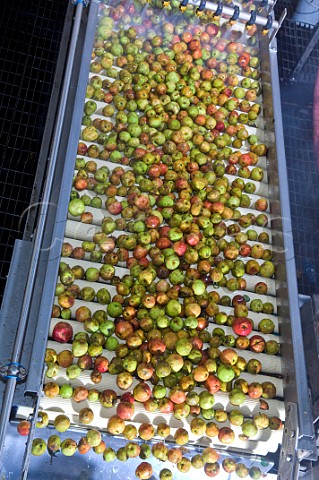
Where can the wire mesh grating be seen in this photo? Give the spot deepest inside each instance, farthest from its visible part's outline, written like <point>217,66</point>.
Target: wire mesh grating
<point>293,39</point>
<point>303,178</point>
<point>29,43</point>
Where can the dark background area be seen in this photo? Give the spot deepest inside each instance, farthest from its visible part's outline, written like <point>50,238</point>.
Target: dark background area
<point>30,41</point>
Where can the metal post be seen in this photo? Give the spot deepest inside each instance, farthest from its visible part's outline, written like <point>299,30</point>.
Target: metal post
<point>11,382</point>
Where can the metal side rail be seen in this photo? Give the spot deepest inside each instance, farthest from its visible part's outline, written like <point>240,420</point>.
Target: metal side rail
<point>32,260</point>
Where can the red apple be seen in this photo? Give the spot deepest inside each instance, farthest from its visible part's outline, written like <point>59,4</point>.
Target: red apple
<point>127,397</point>
<point>101,364</point>
<point>165,405</point>
<point>242,326</point>
<point>62,332</point>
<point>212,383</point>
<point>24,428</point>
<point>125,410</point>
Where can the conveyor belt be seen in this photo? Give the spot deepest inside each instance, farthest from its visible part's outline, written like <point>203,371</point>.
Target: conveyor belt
<point>76,232</point>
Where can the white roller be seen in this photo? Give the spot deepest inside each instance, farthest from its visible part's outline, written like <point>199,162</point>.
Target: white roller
<point>103,197</point>
<point>268,438</point>
<point>249,408</point>
<point>270,363</point>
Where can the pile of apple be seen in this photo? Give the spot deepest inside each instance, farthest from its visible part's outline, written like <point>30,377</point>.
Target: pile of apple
<point>170,183</point>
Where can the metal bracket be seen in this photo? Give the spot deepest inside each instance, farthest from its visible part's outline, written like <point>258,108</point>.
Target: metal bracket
<point>262,5</point>
<point>235,16</point>
<point>267,27</point>
<point>218,11</point>
<point>183,5</point>
<point>252,21</point>
<point>272,6</point>
<point>13,370</point>
<point>288,461</point>
<point>275,30</point>
<point>200,10</point>
<point>85,2</point>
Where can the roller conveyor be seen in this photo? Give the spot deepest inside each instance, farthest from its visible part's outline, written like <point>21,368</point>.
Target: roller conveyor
<point>71,230</point>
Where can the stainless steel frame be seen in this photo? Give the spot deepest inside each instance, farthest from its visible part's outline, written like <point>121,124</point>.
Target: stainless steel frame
<point>52,220</point>
<point>296,390</point>
<point>46,245</point>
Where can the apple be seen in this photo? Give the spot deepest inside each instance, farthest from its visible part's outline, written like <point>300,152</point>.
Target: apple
<point>237,396</point>
<point>269,390</point>
<point>160,451</point>
<point>23,428</point>
<point>266,326</point>
<point>212,383</point>
<point>275,423</point>
<point>212,469</point>
<point>146,431</point>
<point>242,343</point>
<point>226,435</point>
<point>83,446</point>
<point>261,421</point>
<point>253,366</point>
<point>257,344</point>
<point>163,430</point>
<point>228,356</point>
<point>144,471</point>
<point>165,405</point>
<point>174,455</point>
<point>241,470</point>
<point>272,347</point>
<point>242,326</point>
<point>177,395</point>
<point>181,436</point>
<point>125,410</point>
<point>108,398</point>
<point>229,465</point>
<point>225,373</point>
<point>255,390</point>
<point>62,332</point>
<point>132,449</point>
<point>115,425</point>
<point>142,392</point>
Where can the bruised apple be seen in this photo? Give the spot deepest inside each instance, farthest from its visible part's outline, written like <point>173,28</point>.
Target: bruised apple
<point>257,344</point>
<point>62,332</point>
<point>142,392</point>
<point>226,435</point>
<point>228,356</point>
<point>108,398</point>
<point>125,410</point>
<point>175,455</point>
<point>23,428</point>
<point>144,471</point>
<point>212,469</point>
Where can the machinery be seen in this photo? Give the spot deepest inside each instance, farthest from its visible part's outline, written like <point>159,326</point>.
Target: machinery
<point>164,210</point>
